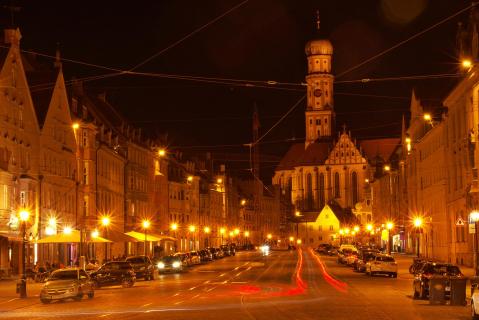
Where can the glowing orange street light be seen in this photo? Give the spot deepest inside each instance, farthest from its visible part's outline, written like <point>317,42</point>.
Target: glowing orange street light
<point>298,241</point>
<point>145,224</point>
<point>389,225</point>
<point>243,202</point>
<point>237,231</point>
<point>466,63</point>
<point>190,178</point>
<point>369,227</point>
<point>162,152</point>
<point>246,233</point>
<point>356,229</point>
<point>269,236</point>
<point>427,117</point>
<point>174,226</point>
<point>291,239</point>
<point>75,125</point>
<point>219,180</point>
<point>105,221</point>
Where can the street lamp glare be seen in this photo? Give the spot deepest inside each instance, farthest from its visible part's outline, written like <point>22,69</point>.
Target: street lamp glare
<point>219,180</point>
<point>356,228</point>
<point>298,241</point>
<point>95,234</point>
<point>427,117</point>
<point>418,222</point>
<point>243,202</point>
<point>291,239</point>
<point>52,222</point>
<point>341,231</point>
<point>474,216</point>
<point>75,125</point>
<point>246,233</point>
<point>346,231</point>
<point>369,227</point>
<point>207,229</point>
<point>67,230</point>
<point>222,230</point>
<point>162,152</point>
<point>270,236</point>
<point>231,233</point>
<point>389,225</point>
<point>387,168</point>
<point>145,224</point>
<point>190,178</point>
<point>237,231</point>
<point>297,213</point>
<point>192,228</point>
<point>105,221</point>
<point>24,215</point>
<point>466,63</point>
<point>174,226</point>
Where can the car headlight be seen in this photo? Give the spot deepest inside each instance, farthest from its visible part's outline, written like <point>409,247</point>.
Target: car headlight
<point>161,265</point>
<point>176,264</point>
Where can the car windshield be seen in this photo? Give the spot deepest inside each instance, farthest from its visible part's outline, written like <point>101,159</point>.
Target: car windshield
<point>169,259</point>
<point>64,275</point>
<point>136,260</point>
<point>385,258</point>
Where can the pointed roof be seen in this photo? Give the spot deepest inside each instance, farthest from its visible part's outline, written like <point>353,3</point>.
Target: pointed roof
<point>315,154</point>
<point>383,148</point>
<point>344,215</point>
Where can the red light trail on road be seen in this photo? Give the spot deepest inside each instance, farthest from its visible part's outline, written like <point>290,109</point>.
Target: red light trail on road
<point>336,284</point>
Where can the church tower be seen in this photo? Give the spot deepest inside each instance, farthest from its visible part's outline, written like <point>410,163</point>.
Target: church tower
<point>319,80</point>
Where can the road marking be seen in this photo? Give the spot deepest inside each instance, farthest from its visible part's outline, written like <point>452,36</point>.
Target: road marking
<point>239,273</point>
<point>225,282</point>
<point>192,288</point>
<point>206,282</point>
<point>104,315</point>
<point>179,302</point>
<point>222,275</point>
<point>146,305</point>
<point>249,268</point>
<point>211,289</point>
<point>239,282</point>
<point>176,294</point>
<point>236,268</point>
<point>195,296</point>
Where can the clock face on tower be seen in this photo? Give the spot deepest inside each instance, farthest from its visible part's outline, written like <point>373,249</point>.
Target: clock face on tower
<point>317,92</point>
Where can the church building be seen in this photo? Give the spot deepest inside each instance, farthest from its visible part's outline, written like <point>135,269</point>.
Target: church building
<point>330,170</point>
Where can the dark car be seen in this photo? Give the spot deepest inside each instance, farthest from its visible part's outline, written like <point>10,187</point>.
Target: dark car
<point>323,248</point>
<point>170,264</point>
<point>228,250</point>
<point>217,253</point>
<point>184,258</point>
<point>114,273</point>
<point>142,266</point>
<point>205,255</point>
<point>429,270</point>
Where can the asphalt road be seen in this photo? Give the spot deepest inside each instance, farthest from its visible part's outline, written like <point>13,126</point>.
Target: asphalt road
<point>283,285</point>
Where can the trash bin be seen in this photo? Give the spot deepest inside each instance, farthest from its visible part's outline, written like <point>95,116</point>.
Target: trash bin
<point>437,290</point>
<point>458,291</point>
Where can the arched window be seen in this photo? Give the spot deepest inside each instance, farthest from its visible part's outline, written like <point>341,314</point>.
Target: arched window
<point>309,191</point>
<point>337,191</point>
<point>321,191</point>
<point>354,187</point>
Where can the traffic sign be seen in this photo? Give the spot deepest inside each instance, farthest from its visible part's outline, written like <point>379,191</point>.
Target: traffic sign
<point>460,222</point>
<point>472,228</point>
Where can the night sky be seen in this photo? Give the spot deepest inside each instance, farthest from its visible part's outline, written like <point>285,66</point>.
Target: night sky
<point>260,40</point>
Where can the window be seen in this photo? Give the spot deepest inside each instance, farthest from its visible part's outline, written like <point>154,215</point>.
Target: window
<point>321,191</point>
<point>309,191</point>
<point>23,200</point>
<point>354,186</point>
<point>318,122</point>
<point>320,228</point>
<point>85,138</point>
<point>85,173</point>
<point>337,192</point>
<point>85,206</point>
<point>331,228</point>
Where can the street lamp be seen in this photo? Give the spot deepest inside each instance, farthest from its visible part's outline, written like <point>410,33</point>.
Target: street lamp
<point>162,152</point>
<point>473,218</point>
<point>466,63</point>
<point>145,224</point>
<point>174,227</point>
<point>222,232</point>
<point>105,222</point>
<point>192,229</point>
<point>207,231</point>
<point>418,225</point>
<point>269,236</point>
<point>389,226</point>
<point>24,216</point>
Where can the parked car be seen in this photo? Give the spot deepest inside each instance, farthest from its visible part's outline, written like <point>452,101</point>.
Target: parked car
<point>195,257</point>
<point>217,253</point>
<point>170,264</point>
<point>205,255</point>
<point>114,273</point>
<point>382,264</point>
<point>343,254</point>
<point>184,258</point>
<point>364,257</point>
<point>142,266</point>
<point>474,301</point>
<point>351,258</point>
<point>65,284</point>
<point>228,250</point>
<point>323,248</point>
<point>430,269</point>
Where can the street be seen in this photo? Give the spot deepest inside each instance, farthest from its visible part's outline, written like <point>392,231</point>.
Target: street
<point>284,285</point>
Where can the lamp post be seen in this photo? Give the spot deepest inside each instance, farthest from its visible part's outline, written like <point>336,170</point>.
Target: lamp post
<point>145,224</point>
<point>389,226</point>
<point>24,216</point>
<point>192,229</point>
<point>105,222</point>
<point>173,228</point>
<point>418,225</point>
<point>222,232</point>
<point>207,231</point>
<point>473,218</point>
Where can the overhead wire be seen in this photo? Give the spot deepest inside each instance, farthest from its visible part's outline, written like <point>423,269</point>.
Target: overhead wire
<point>416,35</point>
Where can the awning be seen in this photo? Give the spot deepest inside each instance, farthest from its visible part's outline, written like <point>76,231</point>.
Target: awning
<point>73,237</point>
<point>150,237</point>
<point>117,236</point>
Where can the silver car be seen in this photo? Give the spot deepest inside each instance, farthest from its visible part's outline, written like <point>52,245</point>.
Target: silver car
<point>64,284</point>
